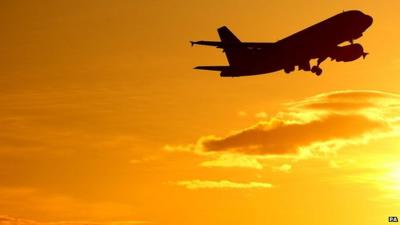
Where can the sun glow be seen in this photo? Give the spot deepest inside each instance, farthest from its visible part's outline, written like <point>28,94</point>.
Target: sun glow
<point>392,178</point>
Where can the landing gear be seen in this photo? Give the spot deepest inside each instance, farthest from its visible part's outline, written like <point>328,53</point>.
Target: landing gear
<point>288,69</point>
<point>317,70</point>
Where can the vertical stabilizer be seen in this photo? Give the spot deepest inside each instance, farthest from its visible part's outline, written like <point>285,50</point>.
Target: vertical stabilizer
<point>227,36</point>
<point>230,44</point>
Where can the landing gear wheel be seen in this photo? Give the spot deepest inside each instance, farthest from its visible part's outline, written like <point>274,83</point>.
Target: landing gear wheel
<point>288,69</point>
<point>314,69</point>
<point>317,70</point>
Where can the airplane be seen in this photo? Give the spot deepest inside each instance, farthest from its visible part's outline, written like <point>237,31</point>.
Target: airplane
<point>319,41</point>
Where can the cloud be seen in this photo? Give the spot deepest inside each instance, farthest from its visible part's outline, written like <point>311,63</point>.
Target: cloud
<point>345,101</point>
<point>229,160</point>
<point>319,124</point>
<point>261,115</point>
<point>285,168</point>
<point>8,220</point>
<point>284,138</point>
<point>207,184</point>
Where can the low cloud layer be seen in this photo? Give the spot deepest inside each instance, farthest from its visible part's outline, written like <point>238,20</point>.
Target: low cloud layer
<point>320,123</point>
<point>207,184</point>
<point>7,220</point>
<point>283,138</point>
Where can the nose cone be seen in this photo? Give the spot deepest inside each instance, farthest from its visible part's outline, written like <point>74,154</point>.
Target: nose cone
<point>368,20</point>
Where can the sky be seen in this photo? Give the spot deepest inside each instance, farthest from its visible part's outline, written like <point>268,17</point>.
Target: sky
<point>104,121</point>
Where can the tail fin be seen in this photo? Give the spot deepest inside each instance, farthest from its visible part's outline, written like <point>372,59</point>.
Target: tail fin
<point>231,45</point>
<point>227,36</point>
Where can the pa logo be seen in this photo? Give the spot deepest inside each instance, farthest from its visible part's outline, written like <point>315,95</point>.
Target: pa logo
<point>393,219</point>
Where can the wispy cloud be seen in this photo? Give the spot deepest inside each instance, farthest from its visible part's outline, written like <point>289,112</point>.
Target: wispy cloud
<point>208,184</point>
<point>284,168</point>
<point>261,115</point>
<point>230,160</point>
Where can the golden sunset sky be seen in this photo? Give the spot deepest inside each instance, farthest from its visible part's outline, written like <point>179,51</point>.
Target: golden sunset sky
<point>104,121</point>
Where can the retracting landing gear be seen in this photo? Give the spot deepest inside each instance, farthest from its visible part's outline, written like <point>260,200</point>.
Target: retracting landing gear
<point>288,69</point>
<point>317,70</point>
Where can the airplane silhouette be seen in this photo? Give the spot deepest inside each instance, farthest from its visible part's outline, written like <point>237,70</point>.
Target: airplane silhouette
<point>319,41</point>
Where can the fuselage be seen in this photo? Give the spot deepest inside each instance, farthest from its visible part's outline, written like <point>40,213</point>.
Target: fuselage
<point>307,44</point>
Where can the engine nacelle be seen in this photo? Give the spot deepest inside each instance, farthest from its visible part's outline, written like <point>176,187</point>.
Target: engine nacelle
<point>348,53</point>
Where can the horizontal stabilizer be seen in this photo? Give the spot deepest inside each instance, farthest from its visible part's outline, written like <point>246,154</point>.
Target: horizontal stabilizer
<point>217,44</point>
<point>213,68</point>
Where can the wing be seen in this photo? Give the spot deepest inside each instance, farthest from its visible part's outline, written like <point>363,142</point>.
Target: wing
<point>213,68</point>
<point>218,44</point>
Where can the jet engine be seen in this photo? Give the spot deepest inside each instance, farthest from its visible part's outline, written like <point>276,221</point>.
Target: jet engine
<point>348,53</point>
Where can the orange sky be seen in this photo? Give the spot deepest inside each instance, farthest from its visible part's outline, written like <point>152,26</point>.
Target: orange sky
<point>104,121</point>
